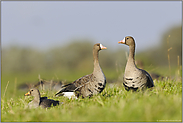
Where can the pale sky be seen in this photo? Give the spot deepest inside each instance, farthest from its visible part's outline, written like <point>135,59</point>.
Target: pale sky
<point>44,24</point>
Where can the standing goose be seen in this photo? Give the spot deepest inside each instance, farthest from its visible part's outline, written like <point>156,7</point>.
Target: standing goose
<point>88,85</point>
<point>39,101</point>
<point>134,78</point>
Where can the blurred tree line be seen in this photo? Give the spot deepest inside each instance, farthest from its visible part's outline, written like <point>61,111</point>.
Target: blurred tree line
<point>77,56</point>
<point>171,44</point>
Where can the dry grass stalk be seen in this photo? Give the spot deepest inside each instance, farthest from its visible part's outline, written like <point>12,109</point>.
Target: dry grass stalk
<point>178,65</point>
<point>5,89</point>
<point>169,55</point>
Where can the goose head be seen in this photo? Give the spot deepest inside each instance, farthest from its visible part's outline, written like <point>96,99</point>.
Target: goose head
<point>33,92</point>
<point>128,40</point>
<point>99,46</point>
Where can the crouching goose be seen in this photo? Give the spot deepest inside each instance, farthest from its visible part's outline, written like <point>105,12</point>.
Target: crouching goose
<point>40,101</point>
<point>88,85</point>
<point>134,78</point>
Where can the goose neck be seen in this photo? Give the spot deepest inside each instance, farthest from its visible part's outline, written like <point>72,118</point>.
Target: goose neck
<point>131,58</point>
<point>96,62</point>
<point>37,98</point>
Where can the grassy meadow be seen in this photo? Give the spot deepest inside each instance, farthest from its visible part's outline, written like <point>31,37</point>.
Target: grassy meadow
<point>163,103</point>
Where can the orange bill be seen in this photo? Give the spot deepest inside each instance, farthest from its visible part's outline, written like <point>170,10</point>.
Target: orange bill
<point>122,41</point>
<point>27,94</point>
<point>102,47</point>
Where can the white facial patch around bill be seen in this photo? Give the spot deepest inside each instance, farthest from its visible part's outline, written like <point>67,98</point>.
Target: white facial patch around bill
<point>124,41</point>
<point>101,45</point>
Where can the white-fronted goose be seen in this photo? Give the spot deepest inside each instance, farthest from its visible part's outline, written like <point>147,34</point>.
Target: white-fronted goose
<point>134,78</point>
<point>88,85</point>
<point>40,101</point>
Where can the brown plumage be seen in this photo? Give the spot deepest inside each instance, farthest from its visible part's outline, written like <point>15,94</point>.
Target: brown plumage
<point>40,101</point>
<point>90,84</point>
<point>134,78</point>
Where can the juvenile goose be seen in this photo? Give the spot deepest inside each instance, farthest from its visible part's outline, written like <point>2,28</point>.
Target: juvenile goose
<point>134,78</point>
<point>39,101</point>
<point>88,85</point>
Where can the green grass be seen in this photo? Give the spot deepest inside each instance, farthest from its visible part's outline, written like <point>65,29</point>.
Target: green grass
<point>162,103</point>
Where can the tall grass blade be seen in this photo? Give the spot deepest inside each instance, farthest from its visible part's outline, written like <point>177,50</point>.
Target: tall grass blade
<point>5,89</point>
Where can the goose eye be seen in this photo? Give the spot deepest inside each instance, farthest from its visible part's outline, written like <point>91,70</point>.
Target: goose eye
<point>31,90</point>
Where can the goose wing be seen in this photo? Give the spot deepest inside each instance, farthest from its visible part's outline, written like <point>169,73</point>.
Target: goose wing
<point>74,86</point>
